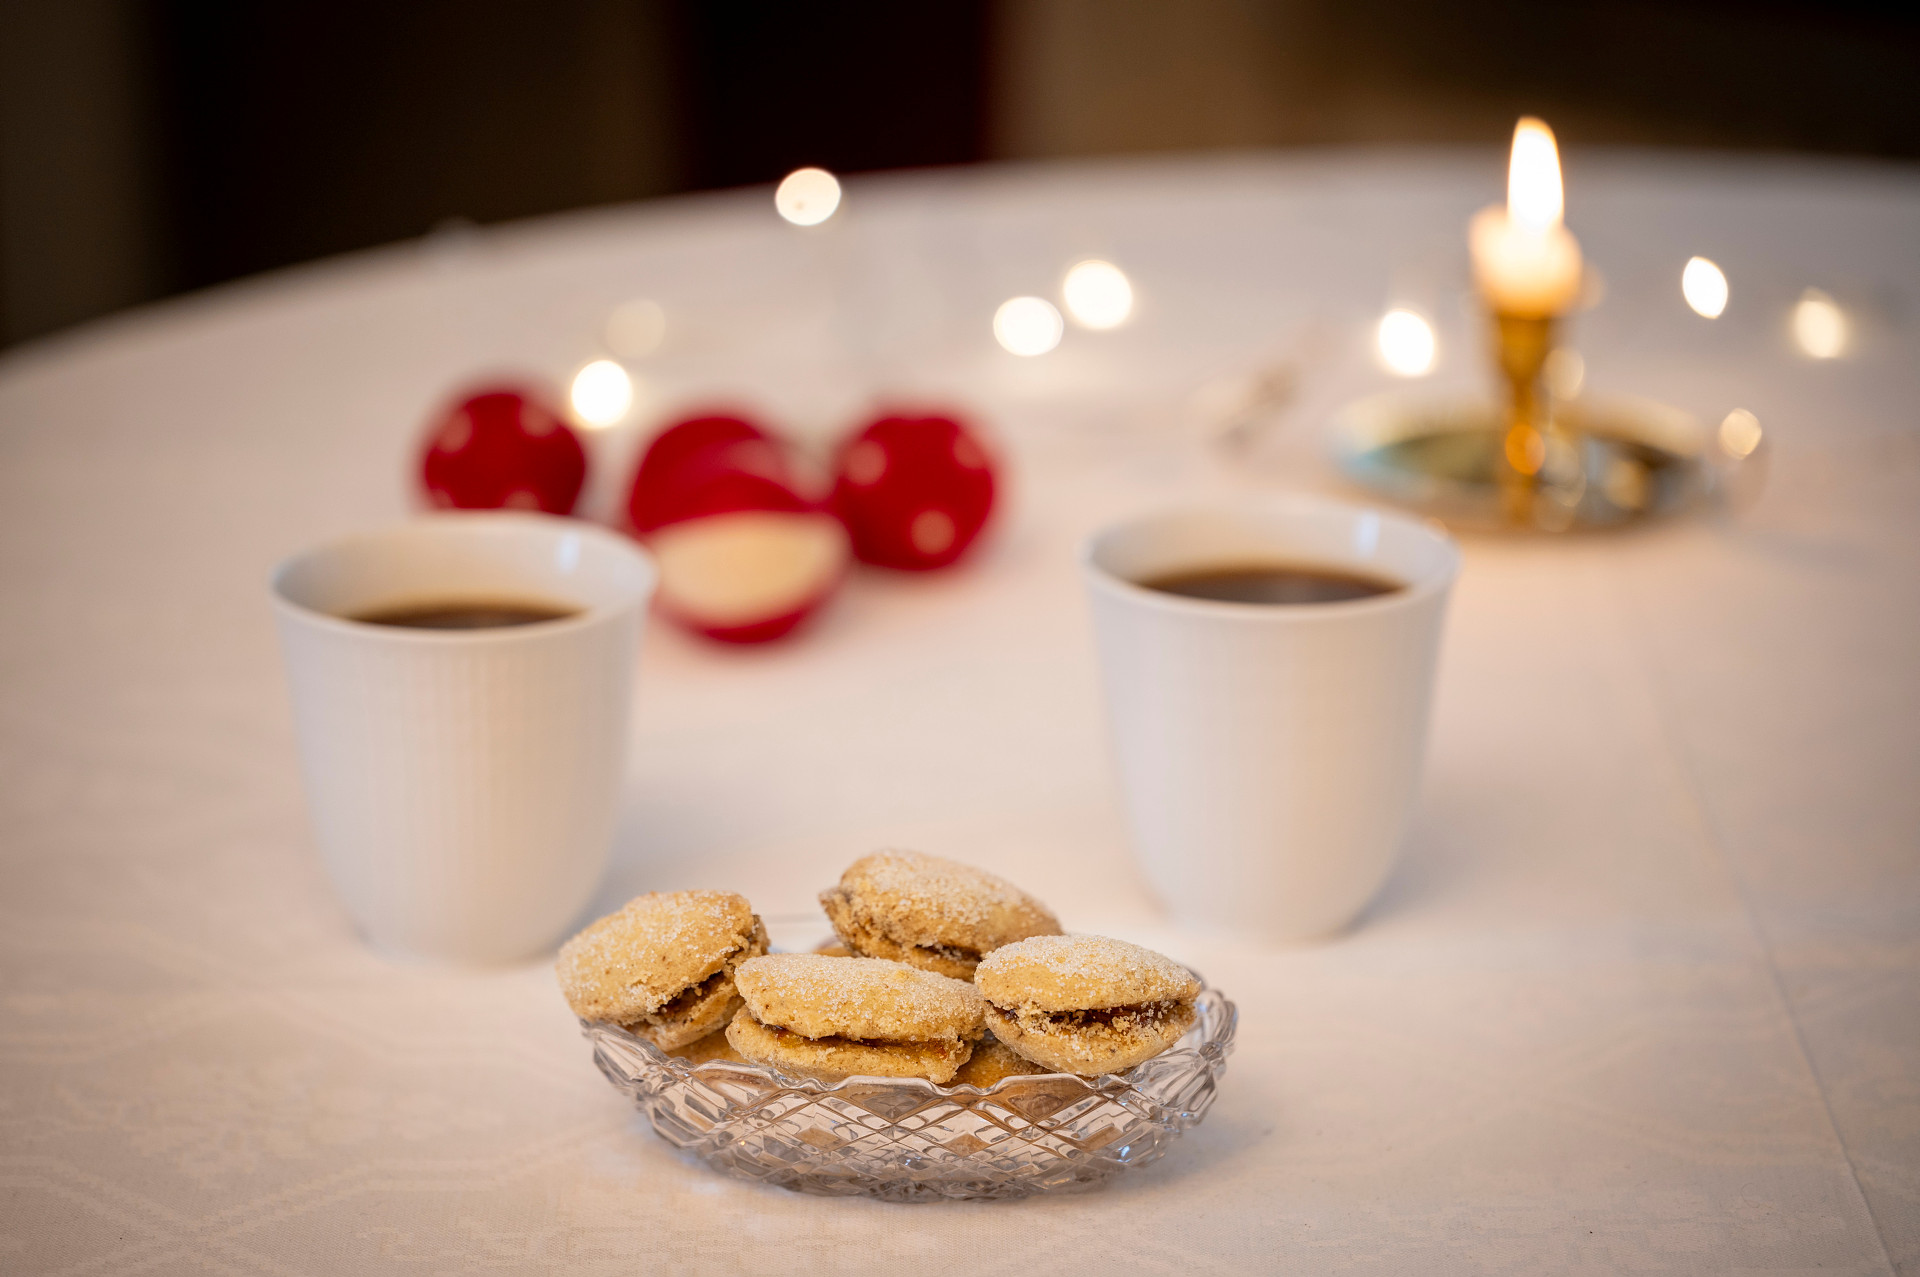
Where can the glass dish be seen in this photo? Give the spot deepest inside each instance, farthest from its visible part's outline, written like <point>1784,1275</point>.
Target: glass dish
<point>905,1139</point>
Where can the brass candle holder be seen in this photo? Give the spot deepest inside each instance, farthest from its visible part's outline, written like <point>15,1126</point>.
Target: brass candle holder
<point>1541,470</point>
<point>1535,461</point>
<point>1531,460</point>
<point>1521,346</point>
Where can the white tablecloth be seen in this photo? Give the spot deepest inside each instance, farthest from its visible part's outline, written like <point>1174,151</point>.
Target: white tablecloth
<point>1644,995</point>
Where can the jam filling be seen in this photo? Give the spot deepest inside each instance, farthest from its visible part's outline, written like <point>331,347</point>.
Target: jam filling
<point>787,1037</point>
<point>685,1001</point>
<point>1139,1015</point>
<point>952,953</point>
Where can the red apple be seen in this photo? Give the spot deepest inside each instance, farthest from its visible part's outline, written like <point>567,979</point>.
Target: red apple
<point>744,555</point>
<point>914,492</point>
<point>503,448</point>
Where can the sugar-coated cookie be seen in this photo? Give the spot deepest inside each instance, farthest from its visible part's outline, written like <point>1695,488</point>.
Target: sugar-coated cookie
<point>1086,1004</point>
<point>714,1046</point>
<point>993,1061</point>
<point>663,966</point>
<point>832,1018</point>
<point>938,915</point>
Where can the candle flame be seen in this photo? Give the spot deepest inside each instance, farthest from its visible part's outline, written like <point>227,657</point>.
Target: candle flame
<point>1534,196</point>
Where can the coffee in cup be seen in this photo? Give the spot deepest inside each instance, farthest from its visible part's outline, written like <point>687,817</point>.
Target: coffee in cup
<point>1268,666</point>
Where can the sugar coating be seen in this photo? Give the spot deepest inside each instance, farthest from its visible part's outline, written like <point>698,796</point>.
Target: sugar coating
<point>832,1058</point>
<point>935,914</point>
<point>628,965</point>
<point>1052,974</point>
<point>867,998</point>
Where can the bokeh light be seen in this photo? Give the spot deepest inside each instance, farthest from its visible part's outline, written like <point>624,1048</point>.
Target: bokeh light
<point>602,393</point>
<point>1098,294</point>
<point>1565,372</point>
<point>1406,342</point>
<point>1704,285</point>
<point>1028,325</point>
<point>1819,325</point>
<point>1739,434</point>
<point>807,196</point>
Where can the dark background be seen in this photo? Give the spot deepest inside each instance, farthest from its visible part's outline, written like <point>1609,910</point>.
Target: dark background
<point>152,147</point>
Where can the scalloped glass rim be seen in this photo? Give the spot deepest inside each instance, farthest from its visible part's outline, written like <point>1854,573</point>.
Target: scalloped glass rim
<point>907,1139</point>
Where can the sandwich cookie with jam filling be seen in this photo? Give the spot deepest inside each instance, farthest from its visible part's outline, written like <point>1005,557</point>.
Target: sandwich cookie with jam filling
<point>993,1061</point>
<point>1085,1004</point>
<point>938,915</point>
<point>833,1018</point>
<point>712,1047</point>
<point>663,966</point>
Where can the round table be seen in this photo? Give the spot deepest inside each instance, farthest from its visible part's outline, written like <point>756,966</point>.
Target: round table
<point>1643,995</point>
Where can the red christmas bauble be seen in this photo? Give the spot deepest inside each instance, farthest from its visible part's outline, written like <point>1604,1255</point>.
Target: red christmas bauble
<point>744,555</point>
<point>503,448</point>
<point>711,465</point>
<point>914,492</point>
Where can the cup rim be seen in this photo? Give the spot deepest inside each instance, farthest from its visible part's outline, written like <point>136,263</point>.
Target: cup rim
<point>1412,594</point>
<point>585,617</point>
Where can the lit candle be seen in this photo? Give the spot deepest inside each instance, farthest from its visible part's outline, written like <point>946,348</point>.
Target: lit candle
<point>1525,262</point>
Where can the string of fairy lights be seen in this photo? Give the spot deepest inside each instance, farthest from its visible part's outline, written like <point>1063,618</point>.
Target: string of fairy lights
<point>1097,295</point>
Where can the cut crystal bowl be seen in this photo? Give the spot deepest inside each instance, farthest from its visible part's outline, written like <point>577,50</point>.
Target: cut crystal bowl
<point>905,1139</point>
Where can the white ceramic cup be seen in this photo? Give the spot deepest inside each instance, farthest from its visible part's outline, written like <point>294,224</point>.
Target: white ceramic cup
<point>1269,754</point>
<point>464,783</point>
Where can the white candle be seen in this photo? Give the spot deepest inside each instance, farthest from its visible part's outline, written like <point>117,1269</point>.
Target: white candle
<point>1525,262</point>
